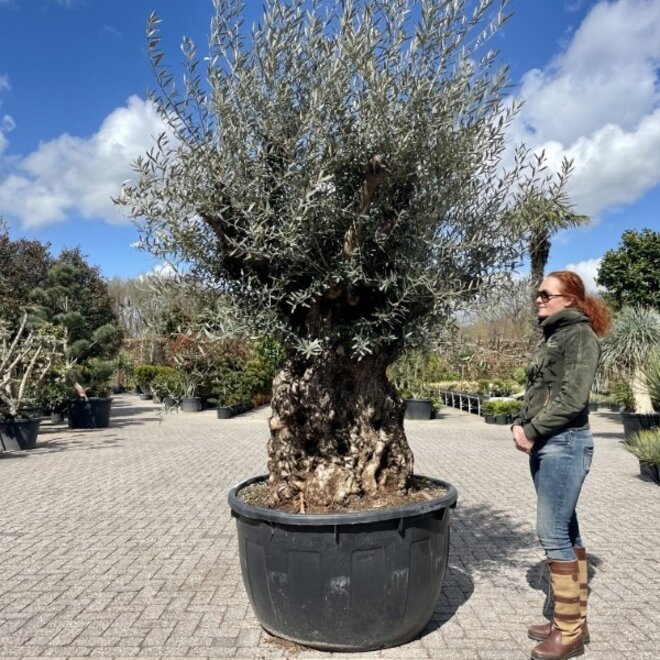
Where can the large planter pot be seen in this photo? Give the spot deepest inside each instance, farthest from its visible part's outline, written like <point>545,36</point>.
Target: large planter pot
<point>649,471</point>
<point>18,434</point>
<point>593,406</point>
<point>634,422</point>
<point>346,582</point>
<point>191,404</point>
<point>145,397</point>
<point>91,413</point>
<point>419,408</point>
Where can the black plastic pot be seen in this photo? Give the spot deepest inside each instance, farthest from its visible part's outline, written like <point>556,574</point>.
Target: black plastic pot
<point>145,397</point>
<point>224,412</point>
<point>191,404</point>
<point>90,413</point>
<point>56,417</point>
<point>649,471</point>
<point>346,582</point>
<point>419,408</point>
<point>502,419</point>
<point>593,406</point>
<point>489,419</point>
<point>18,434</point>
<point>615,407</point>
<point>634,422</point>
<point>118,389</point>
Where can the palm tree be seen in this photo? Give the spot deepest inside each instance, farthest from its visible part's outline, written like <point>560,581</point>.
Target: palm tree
<point>545,213</point>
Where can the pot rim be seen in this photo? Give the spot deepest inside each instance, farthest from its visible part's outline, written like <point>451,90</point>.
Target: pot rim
<point>239,507</point>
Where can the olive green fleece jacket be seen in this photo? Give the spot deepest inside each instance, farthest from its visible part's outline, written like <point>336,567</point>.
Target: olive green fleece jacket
<point>560,376</point>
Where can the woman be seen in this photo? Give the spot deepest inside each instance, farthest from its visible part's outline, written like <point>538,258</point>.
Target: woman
<point>553,428</point>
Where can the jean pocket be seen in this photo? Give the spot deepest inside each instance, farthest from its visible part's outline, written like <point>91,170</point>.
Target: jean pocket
<point>588,457</point>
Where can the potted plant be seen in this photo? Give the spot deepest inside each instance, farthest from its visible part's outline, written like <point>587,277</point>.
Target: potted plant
<point>167,386</point>
<point>26,357</point>
<point>90,407</point>
<point>408,374</point>
<point>500,410</point>
<point>645,446</point>
<point>597,399</point>
<point>123,371</point>
<point>53,392</point>
<point>343,193</point>
<point>627,350</point>
<point>144,377</point>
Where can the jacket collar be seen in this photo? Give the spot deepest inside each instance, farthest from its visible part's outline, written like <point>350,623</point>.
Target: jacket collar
<point>568,316</point>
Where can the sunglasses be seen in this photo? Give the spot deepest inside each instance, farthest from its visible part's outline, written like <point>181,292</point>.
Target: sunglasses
<point>546,295</point>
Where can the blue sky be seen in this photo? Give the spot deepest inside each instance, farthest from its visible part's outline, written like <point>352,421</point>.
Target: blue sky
<point>73,114</point>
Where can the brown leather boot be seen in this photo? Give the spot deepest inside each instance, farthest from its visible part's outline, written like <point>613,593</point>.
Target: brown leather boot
<point>541,631</point>
<point>565,638</point>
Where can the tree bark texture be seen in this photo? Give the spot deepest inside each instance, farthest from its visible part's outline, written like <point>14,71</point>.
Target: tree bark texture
<point>336,433</point>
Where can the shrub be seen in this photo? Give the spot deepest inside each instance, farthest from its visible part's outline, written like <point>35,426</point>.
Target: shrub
<point>167,382</point>
<point>645,446</point>
<point>144,376</point>
<point>497,407</point>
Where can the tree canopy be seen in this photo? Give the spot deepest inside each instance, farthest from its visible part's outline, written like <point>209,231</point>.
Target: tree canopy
<point>631,273</point>
<point>339,169</point>
<point>24,265</point>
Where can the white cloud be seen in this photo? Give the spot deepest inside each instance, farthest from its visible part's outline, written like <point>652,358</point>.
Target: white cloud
<point>4,81</point>
<point>73,174</point>
<point>587,270</point>
<point>598,102</point>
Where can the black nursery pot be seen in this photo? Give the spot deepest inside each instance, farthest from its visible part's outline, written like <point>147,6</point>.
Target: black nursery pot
<point>419,408</point>
<point>90,413</point>
<point>19,434</point>
<point>345,582</point>
<point>191,404</point>
<point>649,472</point>
<point>224,412</point>
<point>635,422</point>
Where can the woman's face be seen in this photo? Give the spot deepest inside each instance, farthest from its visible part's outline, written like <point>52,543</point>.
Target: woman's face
<point>550,298</point>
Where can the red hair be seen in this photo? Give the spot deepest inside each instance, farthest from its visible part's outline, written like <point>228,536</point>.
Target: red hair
<point>593,308</point>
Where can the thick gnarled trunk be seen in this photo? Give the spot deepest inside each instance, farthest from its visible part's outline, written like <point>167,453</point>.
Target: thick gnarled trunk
<point>336,433</point>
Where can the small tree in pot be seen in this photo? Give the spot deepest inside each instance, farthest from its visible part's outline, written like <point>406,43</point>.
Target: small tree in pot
<point>26,358</point>
<point>627,352</point>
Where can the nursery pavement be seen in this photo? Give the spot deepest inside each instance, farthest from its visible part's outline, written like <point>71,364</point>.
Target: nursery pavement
<point>119,542</point>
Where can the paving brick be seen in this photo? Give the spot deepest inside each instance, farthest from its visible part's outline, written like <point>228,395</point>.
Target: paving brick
<point>125,546</point>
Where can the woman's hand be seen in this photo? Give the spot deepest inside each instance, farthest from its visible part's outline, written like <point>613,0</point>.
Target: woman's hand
<point>523,443</point>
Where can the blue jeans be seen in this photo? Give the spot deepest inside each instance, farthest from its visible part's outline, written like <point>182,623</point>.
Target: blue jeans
<point>559,465</point>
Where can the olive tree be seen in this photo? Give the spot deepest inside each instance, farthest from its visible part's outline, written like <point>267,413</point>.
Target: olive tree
<point>336,173</point>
